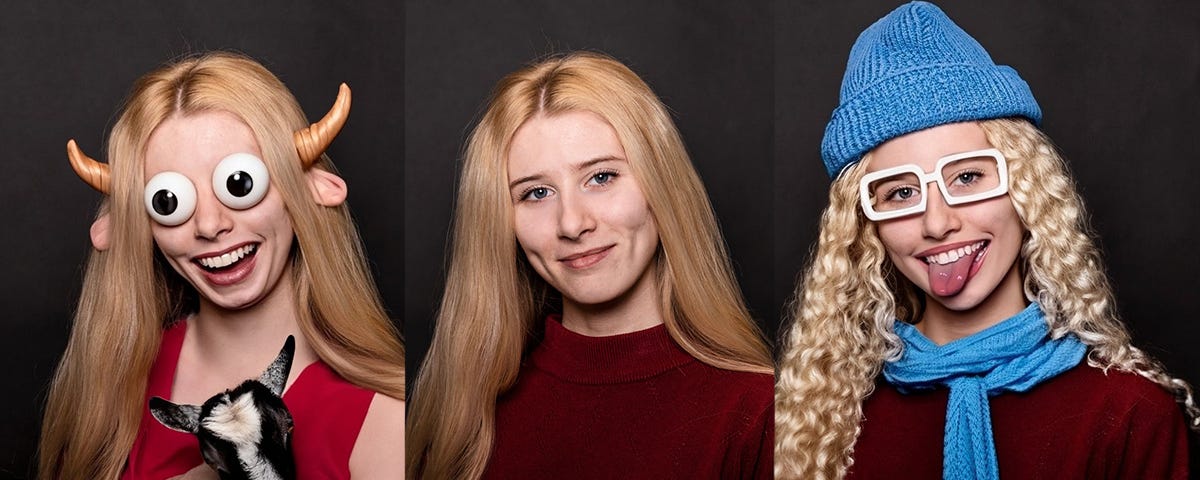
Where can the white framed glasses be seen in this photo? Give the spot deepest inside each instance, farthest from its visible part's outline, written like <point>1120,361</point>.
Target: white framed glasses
<point>961,178</point>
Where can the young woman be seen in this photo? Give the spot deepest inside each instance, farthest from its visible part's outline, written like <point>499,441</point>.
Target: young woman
<point>591,326</point>
<point>954,258</point>
<point>224,231</point>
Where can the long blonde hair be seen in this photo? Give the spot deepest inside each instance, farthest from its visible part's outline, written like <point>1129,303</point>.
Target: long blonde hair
<point>493,300</point>
<point>130,293</point>
<point>851,293</point>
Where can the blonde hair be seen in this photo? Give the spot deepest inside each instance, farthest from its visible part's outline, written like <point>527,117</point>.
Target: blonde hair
<point>493,300</point>
<point>850,295</point>
<point>130,294</point>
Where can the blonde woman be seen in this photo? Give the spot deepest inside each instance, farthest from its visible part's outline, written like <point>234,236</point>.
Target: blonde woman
<point>591,326</point>
<point>956,321</point>
<point>223,232</point>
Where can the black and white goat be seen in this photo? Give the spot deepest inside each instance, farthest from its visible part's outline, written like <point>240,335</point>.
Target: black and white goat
<point>245,432</point>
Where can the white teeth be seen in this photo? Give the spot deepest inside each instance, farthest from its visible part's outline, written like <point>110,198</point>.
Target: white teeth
<point>951,256</point>
<point>227,259</point>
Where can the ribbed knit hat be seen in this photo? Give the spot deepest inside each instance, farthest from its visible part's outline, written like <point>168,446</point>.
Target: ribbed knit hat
<point>911,70</point>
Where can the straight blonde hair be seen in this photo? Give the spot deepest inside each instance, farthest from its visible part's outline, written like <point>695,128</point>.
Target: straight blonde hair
<point>493,300</point>
<point>130,294</point>
<point>851,294</point>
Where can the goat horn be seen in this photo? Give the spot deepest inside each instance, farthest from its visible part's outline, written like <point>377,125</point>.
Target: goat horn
<point>312,141</point>
<point>89,170</point>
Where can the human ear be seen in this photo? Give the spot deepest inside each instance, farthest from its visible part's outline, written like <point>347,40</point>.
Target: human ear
<point>99,233</point>
<point>328,189</point>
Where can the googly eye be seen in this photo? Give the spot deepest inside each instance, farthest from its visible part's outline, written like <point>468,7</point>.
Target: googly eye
<point>241,181</point>
<point>170,198</point>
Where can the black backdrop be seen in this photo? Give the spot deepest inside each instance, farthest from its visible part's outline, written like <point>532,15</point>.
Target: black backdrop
<point>751,86</point>
<point>66,72</point>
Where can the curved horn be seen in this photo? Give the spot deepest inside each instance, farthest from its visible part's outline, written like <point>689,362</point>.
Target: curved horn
<point>89,170</point>
<point>312,141</point>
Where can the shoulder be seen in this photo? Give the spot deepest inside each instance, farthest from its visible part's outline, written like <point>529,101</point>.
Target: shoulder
<point>1115,401</point>
<point>752,394</point>
<point>379,450</point>
<point>1117,389</point>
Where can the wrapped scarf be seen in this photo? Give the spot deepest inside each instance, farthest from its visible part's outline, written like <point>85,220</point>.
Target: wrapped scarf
<point>1011,356</point>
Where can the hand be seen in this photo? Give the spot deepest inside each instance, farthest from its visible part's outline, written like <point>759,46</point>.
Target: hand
<point>201,472</point>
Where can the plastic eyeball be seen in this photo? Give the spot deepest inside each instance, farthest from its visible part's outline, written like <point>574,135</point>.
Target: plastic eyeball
<point>170,198</point>
<point>241,181</point>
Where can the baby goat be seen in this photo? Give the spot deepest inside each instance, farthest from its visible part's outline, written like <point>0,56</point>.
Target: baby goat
<point>246,432</point>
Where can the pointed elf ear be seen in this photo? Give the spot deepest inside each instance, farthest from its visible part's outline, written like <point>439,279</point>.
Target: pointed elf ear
<point>327,188</point>
<point>99,233</point>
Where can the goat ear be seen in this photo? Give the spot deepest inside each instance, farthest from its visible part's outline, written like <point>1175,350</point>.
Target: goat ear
<point>181,418</point>
<point>277,373</point>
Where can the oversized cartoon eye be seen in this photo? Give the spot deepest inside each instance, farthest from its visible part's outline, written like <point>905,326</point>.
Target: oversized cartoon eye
<point>241,181</point>
<point>170,198</point>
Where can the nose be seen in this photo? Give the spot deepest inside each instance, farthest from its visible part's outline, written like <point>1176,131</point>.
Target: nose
<point>574,216</point>
<point>940,219</point>
<point>211,218</point>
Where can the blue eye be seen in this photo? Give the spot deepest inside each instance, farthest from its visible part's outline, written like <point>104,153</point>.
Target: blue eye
<point>967,178</point>
<point>537,193</point>
<point>602,178</point>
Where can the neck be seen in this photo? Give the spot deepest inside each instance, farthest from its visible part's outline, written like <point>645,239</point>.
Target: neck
<point>637,309</point>
<point>249,338</point>
<point>942,325</point>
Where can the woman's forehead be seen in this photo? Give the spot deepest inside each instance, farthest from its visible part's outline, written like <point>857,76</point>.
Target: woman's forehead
<point>925,147</point>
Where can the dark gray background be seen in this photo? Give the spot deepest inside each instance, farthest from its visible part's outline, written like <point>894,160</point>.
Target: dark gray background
<point>751,85</point>
<point>66,73</point>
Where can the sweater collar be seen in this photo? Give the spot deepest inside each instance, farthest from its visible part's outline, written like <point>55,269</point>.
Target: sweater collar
<point>627,357</point>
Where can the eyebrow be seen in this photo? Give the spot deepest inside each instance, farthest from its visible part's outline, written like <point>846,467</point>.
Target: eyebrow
<point>581,166</point>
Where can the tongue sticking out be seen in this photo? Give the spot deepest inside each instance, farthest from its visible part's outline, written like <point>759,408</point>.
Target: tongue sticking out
<point>949,279</point>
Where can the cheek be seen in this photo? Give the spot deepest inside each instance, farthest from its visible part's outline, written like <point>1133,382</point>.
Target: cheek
<point>897,235</point>
<point>170,240</point>
<point>270,214</point>
<point>531,231</point>
<point>630,211</point>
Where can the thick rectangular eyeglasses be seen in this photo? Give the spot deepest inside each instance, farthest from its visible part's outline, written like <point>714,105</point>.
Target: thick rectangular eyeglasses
<point>961,178</point>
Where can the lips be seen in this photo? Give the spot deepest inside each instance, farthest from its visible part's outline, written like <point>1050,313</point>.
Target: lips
<point>586,258</point>
<point>952,266</point>
<point>229,266</point>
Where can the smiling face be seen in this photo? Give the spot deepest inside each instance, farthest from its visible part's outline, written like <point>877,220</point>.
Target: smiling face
<point>961,256</point>
<point>233,257</point>
<point>580,216</point>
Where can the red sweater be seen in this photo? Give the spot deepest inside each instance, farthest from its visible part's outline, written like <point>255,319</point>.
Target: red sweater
<point>631,406</point>
<point>1081,424</point>
<point>327,411</point>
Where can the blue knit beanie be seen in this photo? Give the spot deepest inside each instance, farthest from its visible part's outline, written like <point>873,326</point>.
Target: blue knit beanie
<point>911,70</point>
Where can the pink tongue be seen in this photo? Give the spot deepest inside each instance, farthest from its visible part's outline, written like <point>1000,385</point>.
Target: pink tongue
<point>949,279</point>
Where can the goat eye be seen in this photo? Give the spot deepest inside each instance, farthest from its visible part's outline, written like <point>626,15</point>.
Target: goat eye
<point>170,198</point>
<point>240,181</point>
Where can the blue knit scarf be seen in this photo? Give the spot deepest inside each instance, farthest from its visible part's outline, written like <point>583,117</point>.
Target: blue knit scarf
<point>1011,356</point>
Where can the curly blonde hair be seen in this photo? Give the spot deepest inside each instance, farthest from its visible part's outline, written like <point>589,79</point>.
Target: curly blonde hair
<point>845,305</point>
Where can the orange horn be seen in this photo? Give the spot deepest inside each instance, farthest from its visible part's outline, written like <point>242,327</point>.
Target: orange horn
<point>311,142</point>
<point>89,170</point>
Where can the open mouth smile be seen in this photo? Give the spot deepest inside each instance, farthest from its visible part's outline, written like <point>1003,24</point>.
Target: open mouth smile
<point>226,259</point>
<point>952,266</point>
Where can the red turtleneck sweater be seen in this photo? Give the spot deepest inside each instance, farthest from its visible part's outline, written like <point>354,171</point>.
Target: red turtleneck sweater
<point>631,406</point>
<point>1081,424</point>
